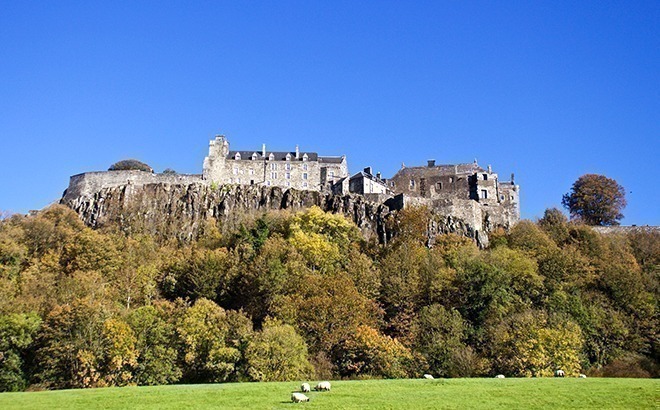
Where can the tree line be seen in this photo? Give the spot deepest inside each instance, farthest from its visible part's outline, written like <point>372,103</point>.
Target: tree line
<point>294,295</point>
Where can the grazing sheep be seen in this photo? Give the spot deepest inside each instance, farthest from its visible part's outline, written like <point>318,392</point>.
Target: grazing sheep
<point>298,397</point>
<point>560,373</point>
<point>322,386</point>
<point>305,388</point>
<point>499,376</point>
<point>428,376</point>
<point>582,376</point>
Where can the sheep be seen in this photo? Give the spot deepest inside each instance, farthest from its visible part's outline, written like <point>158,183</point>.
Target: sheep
<point>322,386</point>
<point>298,397</point>
<point>560,373</point>
<point>305,388</point>
<point>499,376</point>
<point>582,376</point>
<point>428,376</point>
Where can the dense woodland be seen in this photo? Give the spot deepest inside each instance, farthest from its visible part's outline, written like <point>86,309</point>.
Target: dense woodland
<point>289,296</point>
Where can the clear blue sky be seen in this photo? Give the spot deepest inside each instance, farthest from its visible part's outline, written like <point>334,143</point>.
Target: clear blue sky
<point>547,90</point>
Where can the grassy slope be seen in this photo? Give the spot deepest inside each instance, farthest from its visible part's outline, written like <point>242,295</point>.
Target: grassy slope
<point>594,393</point>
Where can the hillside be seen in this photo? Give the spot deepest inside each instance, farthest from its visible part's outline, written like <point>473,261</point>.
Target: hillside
<point>296,294</point>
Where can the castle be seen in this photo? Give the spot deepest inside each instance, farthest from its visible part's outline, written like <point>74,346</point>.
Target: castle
<point>464,193</point>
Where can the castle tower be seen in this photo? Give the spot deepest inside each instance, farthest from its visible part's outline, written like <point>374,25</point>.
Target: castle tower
<point>214,163</point>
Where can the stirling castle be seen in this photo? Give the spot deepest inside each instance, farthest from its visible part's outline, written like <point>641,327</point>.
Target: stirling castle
<point>466,198</point>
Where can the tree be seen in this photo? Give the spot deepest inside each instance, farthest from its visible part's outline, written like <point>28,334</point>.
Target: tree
<point>277,353</point>
<point>595,200</point>
<point>130,164</point>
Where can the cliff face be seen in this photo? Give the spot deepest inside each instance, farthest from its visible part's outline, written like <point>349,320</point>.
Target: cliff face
<point>181,210</point>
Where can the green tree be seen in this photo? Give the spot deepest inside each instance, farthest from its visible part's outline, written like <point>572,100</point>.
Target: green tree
<point>277,353</point>
<point>17,333</point>
<point>130,164</point>
<point>156,346</point>
<point>595,200</point>
<point>207,356</point>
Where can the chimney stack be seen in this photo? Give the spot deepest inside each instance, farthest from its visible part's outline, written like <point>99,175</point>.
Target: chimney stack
<point>378,175</point>
<point>490,169</point>
<point>263,150</point>
<point>297,152</point>
<point>431,163</point>
<point>367,170</point>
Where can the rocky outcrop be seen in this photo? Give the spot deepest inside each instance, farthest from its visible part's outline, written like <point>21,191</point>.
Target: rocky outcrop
<point>182,210</point>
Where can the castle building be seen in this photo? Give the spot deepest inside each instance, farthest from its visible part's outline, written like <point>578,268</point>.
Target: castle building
<point>451,184</point>
<point>295,169</point>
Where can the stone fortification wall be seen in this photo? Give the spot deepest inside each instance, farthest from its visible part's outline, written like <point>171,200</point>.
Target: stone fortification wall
<point>89,183</point>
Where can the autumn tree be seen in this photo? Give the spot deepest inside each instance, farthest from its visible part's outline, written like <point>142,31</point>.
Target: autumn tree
<point>595,200</point>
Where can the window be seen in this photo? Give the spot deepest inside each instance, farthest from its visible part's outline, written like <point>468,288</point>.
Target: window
<point>438,186</point>
<point>485,177</point>
<point>235,171</point>
<point>231,180</point>
<point>484,194</point>
<point>501,197</point>
<point>273,166</point>
<point>304,184</point>
<point>412,184</point>
<point>287,175</point>
<point>254,156</point>
<point>251,172</point>
<point>268,183</point>
<point>331,174</point>
<point>287,167</point>
<point>304,167</point>
<point>273,175</point>
<point>451,179</point>
<point>288,183</point>
<point>288,157</point>
<point>305,157</point>
<point>238,180</point>
<point>305,175</point>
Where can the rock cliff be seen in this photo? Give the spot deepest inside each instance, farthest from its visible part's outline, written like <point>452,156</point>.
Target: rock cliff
<point>181,210</point>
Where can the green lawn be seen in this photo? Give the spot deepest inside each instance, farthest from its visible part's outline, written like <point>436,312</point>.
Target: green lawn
<point>592,393</point>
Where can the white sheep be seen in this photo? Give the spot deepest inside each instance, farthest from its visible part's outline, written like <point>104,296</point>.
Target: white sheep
<point>582,376</point>
<point>428,376</point>
<point>322,386</point>
<point>305,388</point>
<point>499,376</point>
<point>298,397</point>
<point>560,373</point>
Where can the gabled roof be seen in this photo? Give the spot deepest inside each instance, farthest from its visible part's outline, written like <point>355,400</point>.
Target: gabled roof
<point>365,175</point>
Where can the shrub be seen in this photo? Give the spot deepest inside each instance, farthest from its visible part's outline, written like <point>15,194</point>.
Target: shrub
<point>130,164</point>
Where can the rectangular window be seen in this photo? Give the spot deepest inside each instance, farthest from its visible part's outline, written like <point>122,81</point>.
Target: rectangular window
<point>331,174</point>
<point>287,167</point>
<point>251,172</point>
<point>273,175</point>
<point>304,184</point>
<point>288,183</point>
<point>304,167</point>
<point>484,194</point>
<point>268,183</point>
<point>235,171</point>
<point>305,175</point>
<point>412,184</point>
<point>273,166</point>
<point>288,175</point>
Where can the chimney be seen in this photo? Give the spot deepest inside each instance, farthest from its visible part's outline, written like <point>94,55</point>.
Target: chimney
<point>378,175</point>
<point>263,150</point>
<point>490,169</point>
<point>297,152</point>
<point>431,163</point>
<point>367,170</point>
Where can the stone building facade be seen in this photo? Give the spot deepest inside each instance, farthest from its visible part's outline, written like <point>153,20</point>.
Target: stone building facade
<point>295,169</point>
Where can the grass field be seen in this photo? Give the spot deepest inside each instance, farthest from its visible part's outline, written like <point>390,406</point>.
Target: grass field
<point>593,393</point>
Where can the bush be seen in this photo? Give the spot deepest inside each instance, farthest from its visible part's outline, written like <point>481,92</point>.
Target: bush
<point>130,164</point>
